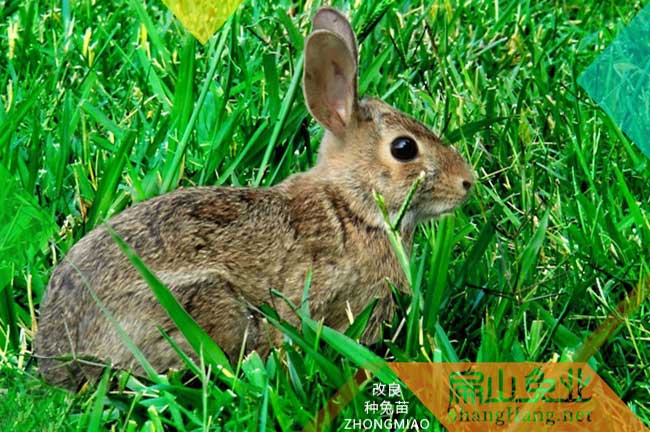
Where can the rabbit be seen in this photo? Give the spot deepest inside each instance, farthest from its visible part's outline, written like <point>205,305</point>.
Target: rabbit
<point>222,250</point>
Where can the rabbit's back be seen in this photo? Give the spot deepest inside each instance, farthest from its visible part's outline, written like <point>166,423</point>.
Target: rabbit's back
<point>211,246</point>
<point>220,251</point>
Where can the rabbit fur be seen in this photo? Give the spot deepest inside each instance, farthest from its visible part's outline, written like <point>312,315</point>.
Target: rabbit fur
<point>221,250</point>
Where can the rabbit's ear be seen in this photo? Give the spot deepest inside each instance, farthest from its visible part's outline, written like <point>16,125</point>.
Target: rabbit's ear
<point>327,18</point>
<point>330,75</point>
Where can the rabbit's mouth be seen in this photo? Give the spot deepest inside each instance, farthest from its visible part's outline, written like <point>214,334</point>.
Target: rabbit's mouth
<point>443,208</point>
<point>415,216</point>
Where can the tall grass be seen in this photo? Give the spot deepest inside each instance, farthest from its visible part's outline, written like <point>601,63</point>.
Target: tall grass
<point>107,104</point>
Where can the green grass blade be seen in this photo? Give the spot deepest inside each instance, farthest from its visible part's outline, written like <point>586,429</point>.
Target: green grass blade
<point>184,91</point>
<point>360,322</point>
<point>8,321</point>
<point>531,252</point>
<point>171,172</point>
<point>95,423</point>
<point>622,314</point>
<point>328,368</point>
<point>101,118</point>
<point>109,183</point>
<point>279,125</point>
<point>272,82</point>
<point>355,352</point>
<point>152,30</point>
<point>438,271</point>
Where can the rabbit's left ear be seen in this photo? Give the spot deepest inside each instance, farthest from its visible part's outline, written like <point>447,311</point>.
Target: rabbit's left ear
<point>330,19</point>
<point>330,75</point>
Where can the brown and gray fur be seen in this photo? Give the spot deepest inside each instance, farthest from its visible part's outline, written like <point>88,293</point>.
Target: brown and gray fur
<point>222,250</point>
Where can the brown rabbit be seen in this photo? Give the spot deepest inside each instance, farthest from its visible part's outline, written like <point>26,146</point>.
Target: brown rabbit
<point>222,250</point>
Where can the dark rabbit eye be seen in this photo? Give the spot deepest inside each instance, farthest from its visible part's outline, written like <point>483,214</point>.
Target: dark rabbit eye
<point>404,149</point>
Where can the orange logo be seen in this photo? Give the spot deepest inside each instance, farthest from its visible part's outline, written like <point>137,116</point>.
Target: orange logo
<point>488,397</point>
<point>496,396</point>
<point>517,396</point>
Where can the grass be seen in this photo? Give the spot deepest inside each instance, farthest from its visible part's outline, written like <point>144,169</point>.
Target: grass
<point>107,104</point>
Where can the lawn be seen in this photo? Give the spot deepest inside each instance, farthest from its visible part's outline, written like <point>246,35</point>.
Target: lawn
<point>106,104</point>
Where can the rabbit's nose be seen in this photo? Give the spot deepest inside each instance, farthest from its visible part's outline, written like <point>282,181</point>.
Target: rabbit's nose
<point>465,181</point>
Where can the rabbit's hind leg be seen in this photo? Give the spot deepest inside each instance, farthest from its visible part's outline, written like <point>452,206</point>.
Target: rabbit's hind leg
<point>218,308</point>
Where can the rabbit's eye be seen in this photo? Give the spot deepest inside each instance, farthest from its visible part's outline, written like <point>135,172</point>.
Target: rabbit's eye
<point>404,149</point>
